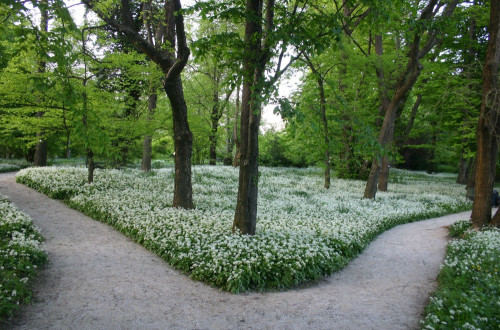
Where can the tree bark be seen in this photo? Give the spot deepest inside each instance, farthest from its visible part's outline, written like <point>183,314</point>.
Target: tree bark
<point>488,125</point>
<point>183,144</point>
<point>90,166</point>
<point>236,160</point>
<point>245,217</point>
<point>462,170</point>
<point>146,143</point>
<point>322,100</point>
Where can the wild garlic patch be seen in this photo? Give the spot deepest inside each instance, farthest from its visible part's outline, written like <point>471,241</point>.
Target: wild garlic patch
<point>469,293</point>
<point>21,252</point>
<point>304,232</point>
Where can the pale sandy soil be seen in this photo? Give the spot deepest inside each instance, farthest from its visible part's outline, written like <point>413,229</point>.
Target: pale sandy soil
<point>98,279</point>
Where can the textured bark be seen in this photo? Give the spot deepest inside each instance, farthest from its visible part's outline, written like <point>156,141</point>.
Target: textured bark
<point>90,166</point>
<point>245,217</point>
<point>236,160</point>
<point>146,143</point>
<point>214,116</point>
<point>462,170</point>
<point>183,142</point>
<point>325,132</point>
<point>488,125</point>
<point>471,182</point>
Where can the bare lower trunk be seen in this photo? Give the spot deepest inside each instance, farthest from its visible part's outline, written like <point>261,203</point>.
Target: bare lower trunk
<point>325,132</point>
<point>90,166</point>
<point>488,125</point>
<point>236,160</point>
<point>383,180</point>
<point>146,153</point>
<point>40,151</point>
<point>183,144</point>
<point>462,170</point>
<point>471,182</point>
<point>147,142</point>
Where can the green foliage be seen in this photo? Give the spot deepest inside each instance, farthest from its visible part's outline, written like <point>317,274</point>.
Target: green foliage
<point>469,284</point>
<point>459,228</point>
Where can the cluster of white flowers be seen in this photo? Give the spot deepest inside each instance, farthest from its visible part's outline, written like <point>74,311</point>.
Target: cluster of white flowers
<point>21,250</point>
<point>470,284</point>
<point>8,168</point>
<point>303,231</point>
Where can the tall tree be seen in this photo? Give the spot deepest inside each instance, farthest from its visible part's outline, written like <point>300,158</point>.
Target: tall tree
<point>171,53</point>
<point>488,127</point>
<point>407,80</point>
<point>41,143</point>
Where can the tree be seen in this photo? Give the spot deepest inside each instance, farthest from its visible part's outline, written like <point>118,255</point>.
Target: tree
<point>488,127</point>
<point>406,81</point>
<point>170,52</point>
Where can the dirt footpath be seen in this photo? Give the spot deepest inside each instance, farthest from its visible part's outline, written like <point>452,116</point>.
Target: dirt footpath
<point>98,279</point>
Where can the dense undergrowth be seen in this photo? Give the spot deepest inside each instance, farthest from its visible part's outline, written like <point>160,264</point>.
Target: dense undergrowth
<point>468,296</point>
<point>304,232</point>
<point>21,254</point>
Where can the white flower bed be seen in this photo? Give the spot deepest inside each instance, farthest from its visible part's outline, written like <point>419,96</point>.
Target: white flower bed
<point>303,231</point>
<point>21,252</point>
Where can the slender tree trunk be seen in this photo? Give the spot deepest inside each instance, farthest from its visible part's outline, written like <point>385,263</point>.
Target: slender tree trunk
<point>488,125</point>
<point>41,142</point>
<point>146,143</point>
<point>471,182</point>
<point>325,131</point>
<point>462,169</point>
<point>90,166</point>
<point>68,145</point>
<point>229,142</point>
<point>411,121</point>
<point>183,143</point>
<point>237,155</point>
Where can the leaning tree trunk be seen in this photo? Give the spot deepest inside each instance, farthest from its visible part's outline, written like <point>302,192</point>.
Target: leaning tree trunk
<point>488,125</point>
<point>183,144</point>
<point>146,143</point>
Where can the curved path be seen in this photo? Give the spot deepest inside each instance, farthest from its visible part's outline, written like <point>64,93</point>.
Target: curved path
<point>98,279</point>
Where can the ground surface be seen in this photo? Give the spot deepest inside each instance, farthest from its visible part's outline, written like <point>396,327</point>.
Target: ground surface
<point>98,279</point>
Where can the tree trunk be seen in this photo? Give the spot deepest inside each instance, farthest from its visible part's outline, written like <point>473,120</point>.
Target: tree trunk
<point>90,166</point>
<point>411,121</point>
<point>383,180</point>
<point>431,166</point>
<point>183,144</point>
<point>325,131</point>
<point>488,125</point>
<point>215,116</point>
<point>41,142</point>
<point>236,160</point>
<point>471,182</point>
<point>146,143</point>
<point>462,170</point>
<point>245,217</point>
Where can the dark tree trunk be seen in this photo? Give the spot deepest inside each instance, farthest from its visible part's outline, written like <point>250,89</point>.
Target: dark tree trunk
<point>245,217</point>
<point>325,131</point>
<point>471,182</point>
<point>146,143</point>
<point>411,121</point>
<point>183,143</point>
<point>236,160</point>
<point>215,117</point>
<point>90,166</point>
<point>462,170</point>
<point>68,146</point>
<point>488,125</point>
<point>40,158</point>
<point>431,166</point>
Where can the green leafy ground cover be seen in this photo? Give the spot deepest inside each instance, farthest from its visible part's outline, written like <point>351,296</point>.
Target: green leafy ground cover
<point>468,296</point>
<point>4,168</point>
<point>304,232</point>
<point>21,254</point>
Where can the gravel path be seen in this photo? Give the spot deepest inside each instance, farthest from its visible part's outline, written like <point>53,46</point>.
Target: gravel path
<point>98,279</point>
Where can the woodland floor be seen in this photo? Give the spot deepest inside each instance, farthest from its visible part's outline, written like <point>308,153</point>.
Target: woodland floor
<point>98,279</point>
